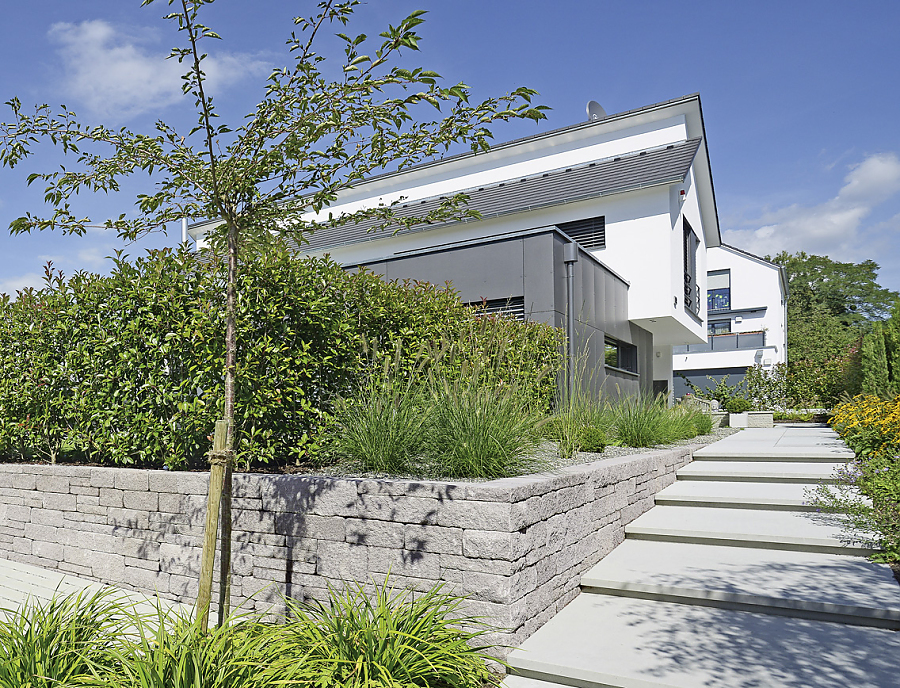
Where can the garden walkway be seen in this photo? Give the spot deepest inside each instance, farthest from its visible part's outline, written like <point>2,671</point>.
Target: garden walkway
<point>731,580</point>
<point>22,582</point>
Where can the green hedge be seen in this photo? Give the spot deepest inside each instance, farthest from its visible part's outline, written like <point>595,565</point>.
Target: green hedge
<point>127,369</point>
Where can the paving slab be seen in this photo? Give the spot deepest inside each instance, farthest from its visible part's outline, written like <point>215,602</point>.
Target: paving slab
<point>737,495</point>
<point>759,471</point>
<point>778,444</point>
<point>767,529</point>
<point>602,640</point>
<point>22,582</point>
<point>824,586</point>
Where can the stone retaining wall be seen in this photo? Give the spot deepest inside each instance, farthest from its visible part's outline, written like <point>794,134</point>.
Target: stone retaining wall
<point>516,546</point>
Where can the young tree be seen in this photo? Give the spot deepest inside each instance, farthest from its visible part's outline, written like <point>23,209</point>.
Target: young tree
<point>273,177</point>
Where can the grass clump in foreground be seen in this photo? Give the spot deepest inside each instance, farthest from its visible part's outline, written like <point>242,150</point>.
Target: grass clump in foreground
<point>358,638</point>
<point>59,642</point>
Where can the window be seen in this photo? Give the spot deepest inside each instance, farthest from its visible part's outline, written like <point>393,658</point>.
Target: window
<point>590,232</point>
<point>691,288</point>
<point>620,355</point>
<point>719,327</point>
<point>718,290</point>
<point>513,307</point>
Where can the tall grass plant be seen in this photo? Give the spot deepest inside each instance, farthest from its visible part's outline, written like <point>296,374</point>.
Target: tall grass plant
<point>61,642</point>
<point>381,637</point>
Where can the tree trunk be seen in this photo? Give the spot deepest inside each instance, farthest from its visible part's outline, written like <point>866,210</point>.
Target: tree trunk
<point>222,462</point>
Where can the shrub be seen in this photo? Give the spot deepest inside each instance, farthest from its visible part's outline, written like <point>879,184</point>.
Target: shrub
<point>592,440</point>
<point>384,638</point>
<point>767,390</point>
<point>737,405</point>
<point>127,369</point>
<point>871,428</point>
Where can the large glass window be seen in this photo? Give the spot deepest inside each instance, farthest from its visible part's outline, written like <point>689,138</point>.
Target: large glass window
<point>719,327</point>
<point>718,290</point>
<point>620,355</point>
<point>691,287</point>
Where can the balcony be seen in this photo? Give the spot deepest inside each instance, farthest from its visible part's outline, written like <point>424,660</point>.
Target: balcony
<point>735,341</point>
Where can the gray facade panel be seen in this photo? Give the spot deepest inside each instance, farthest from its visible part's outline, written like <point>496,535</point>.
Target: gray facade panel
<point>540,290</point>
<point>532,266</point>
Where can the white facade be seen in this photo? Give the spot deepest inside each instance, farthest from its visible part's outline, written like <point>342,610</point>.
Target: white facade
<point>747,325</point>
<point>644,224</point>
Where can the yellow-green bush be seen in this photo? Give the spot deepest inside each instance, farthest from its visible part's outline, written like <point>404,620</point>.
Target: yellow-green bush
<point>871,427</point>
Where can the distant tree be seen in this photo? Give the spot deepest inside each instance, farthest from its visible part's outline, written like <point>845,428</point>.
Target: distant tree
<point>831,310</point>
<point>270,178</point>
<point>848,291</point>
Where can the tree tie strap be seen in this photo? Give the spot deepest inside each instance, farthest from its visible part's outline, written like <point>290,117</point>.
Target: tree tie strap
<point>219,457</point>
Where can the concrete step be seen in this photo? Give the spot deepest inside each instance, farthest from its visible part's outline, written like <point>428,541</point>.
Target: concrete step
<point>789,455</point>
<point>759,471</point>
<point>601,641</point>
<point>787,444</point>
<point>737,495</point>
<point>523,682</point>
<point>827,587</point>
<point>765,529</point>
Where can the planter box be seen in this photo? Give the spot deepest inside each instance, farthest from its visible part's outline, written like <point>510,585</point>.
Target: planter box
<point>760,419</point>
<point>739,420</point>
<point>516,547</point>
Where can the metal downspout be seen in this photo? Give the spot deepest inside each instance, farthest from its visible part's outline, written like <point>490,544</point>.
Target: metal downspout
<point>570,257</point>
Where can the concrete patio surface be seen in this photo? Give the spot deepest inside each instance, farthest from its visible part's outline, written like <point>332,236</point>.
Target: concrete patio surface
<point>20,583</point>
<point>730,581</point>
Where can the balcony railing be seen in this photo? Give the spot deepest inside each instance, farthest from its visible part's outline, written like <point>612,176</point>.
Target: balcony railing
<point>725,342</point>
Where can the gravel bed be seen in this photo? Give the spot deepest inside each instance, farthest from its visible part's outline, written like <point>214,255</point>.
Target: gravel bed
<point>547,456</point>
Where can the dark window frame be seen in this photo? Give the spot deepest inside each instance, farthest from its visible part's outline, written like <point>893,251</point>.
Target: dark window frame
<point>691,245</point>
<point>719,299</point>
<point>712,329</point>
<point>620,355</point>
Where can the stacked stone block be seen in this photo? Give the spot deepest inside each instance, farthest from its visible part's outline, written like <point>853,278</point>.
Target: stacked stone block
<point>516,547</point>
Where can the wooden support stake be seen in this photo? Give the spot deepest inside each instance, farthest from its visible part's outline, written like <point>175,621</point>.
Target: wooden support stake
<point>225,547</point>
<point>217,463</point>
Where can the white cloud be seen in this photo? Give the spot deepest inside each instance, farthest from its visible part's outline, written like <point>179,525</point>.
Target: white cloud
<point>835,227</point>
<point>13,284</point>
<point>93,258</point>
<point>115,74</point>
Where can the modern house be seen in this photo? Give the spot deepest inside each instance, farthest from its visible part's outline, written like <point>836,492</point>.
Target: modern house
<point>747,320</point>
<point>602,226</point>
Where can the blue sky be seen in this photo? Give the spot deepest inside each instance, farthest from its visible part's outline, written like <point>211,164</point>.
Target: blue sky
<point>800,98</point>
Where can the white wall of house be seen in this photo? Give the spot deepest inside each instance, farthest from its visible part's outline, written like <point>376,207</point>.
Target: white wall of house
<point>644,227</point>
<point>758,303</point>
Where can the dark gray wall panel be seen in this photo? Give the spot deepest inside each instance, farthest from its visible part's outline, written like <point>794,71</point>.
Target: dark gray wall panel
<point>532,265</point>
